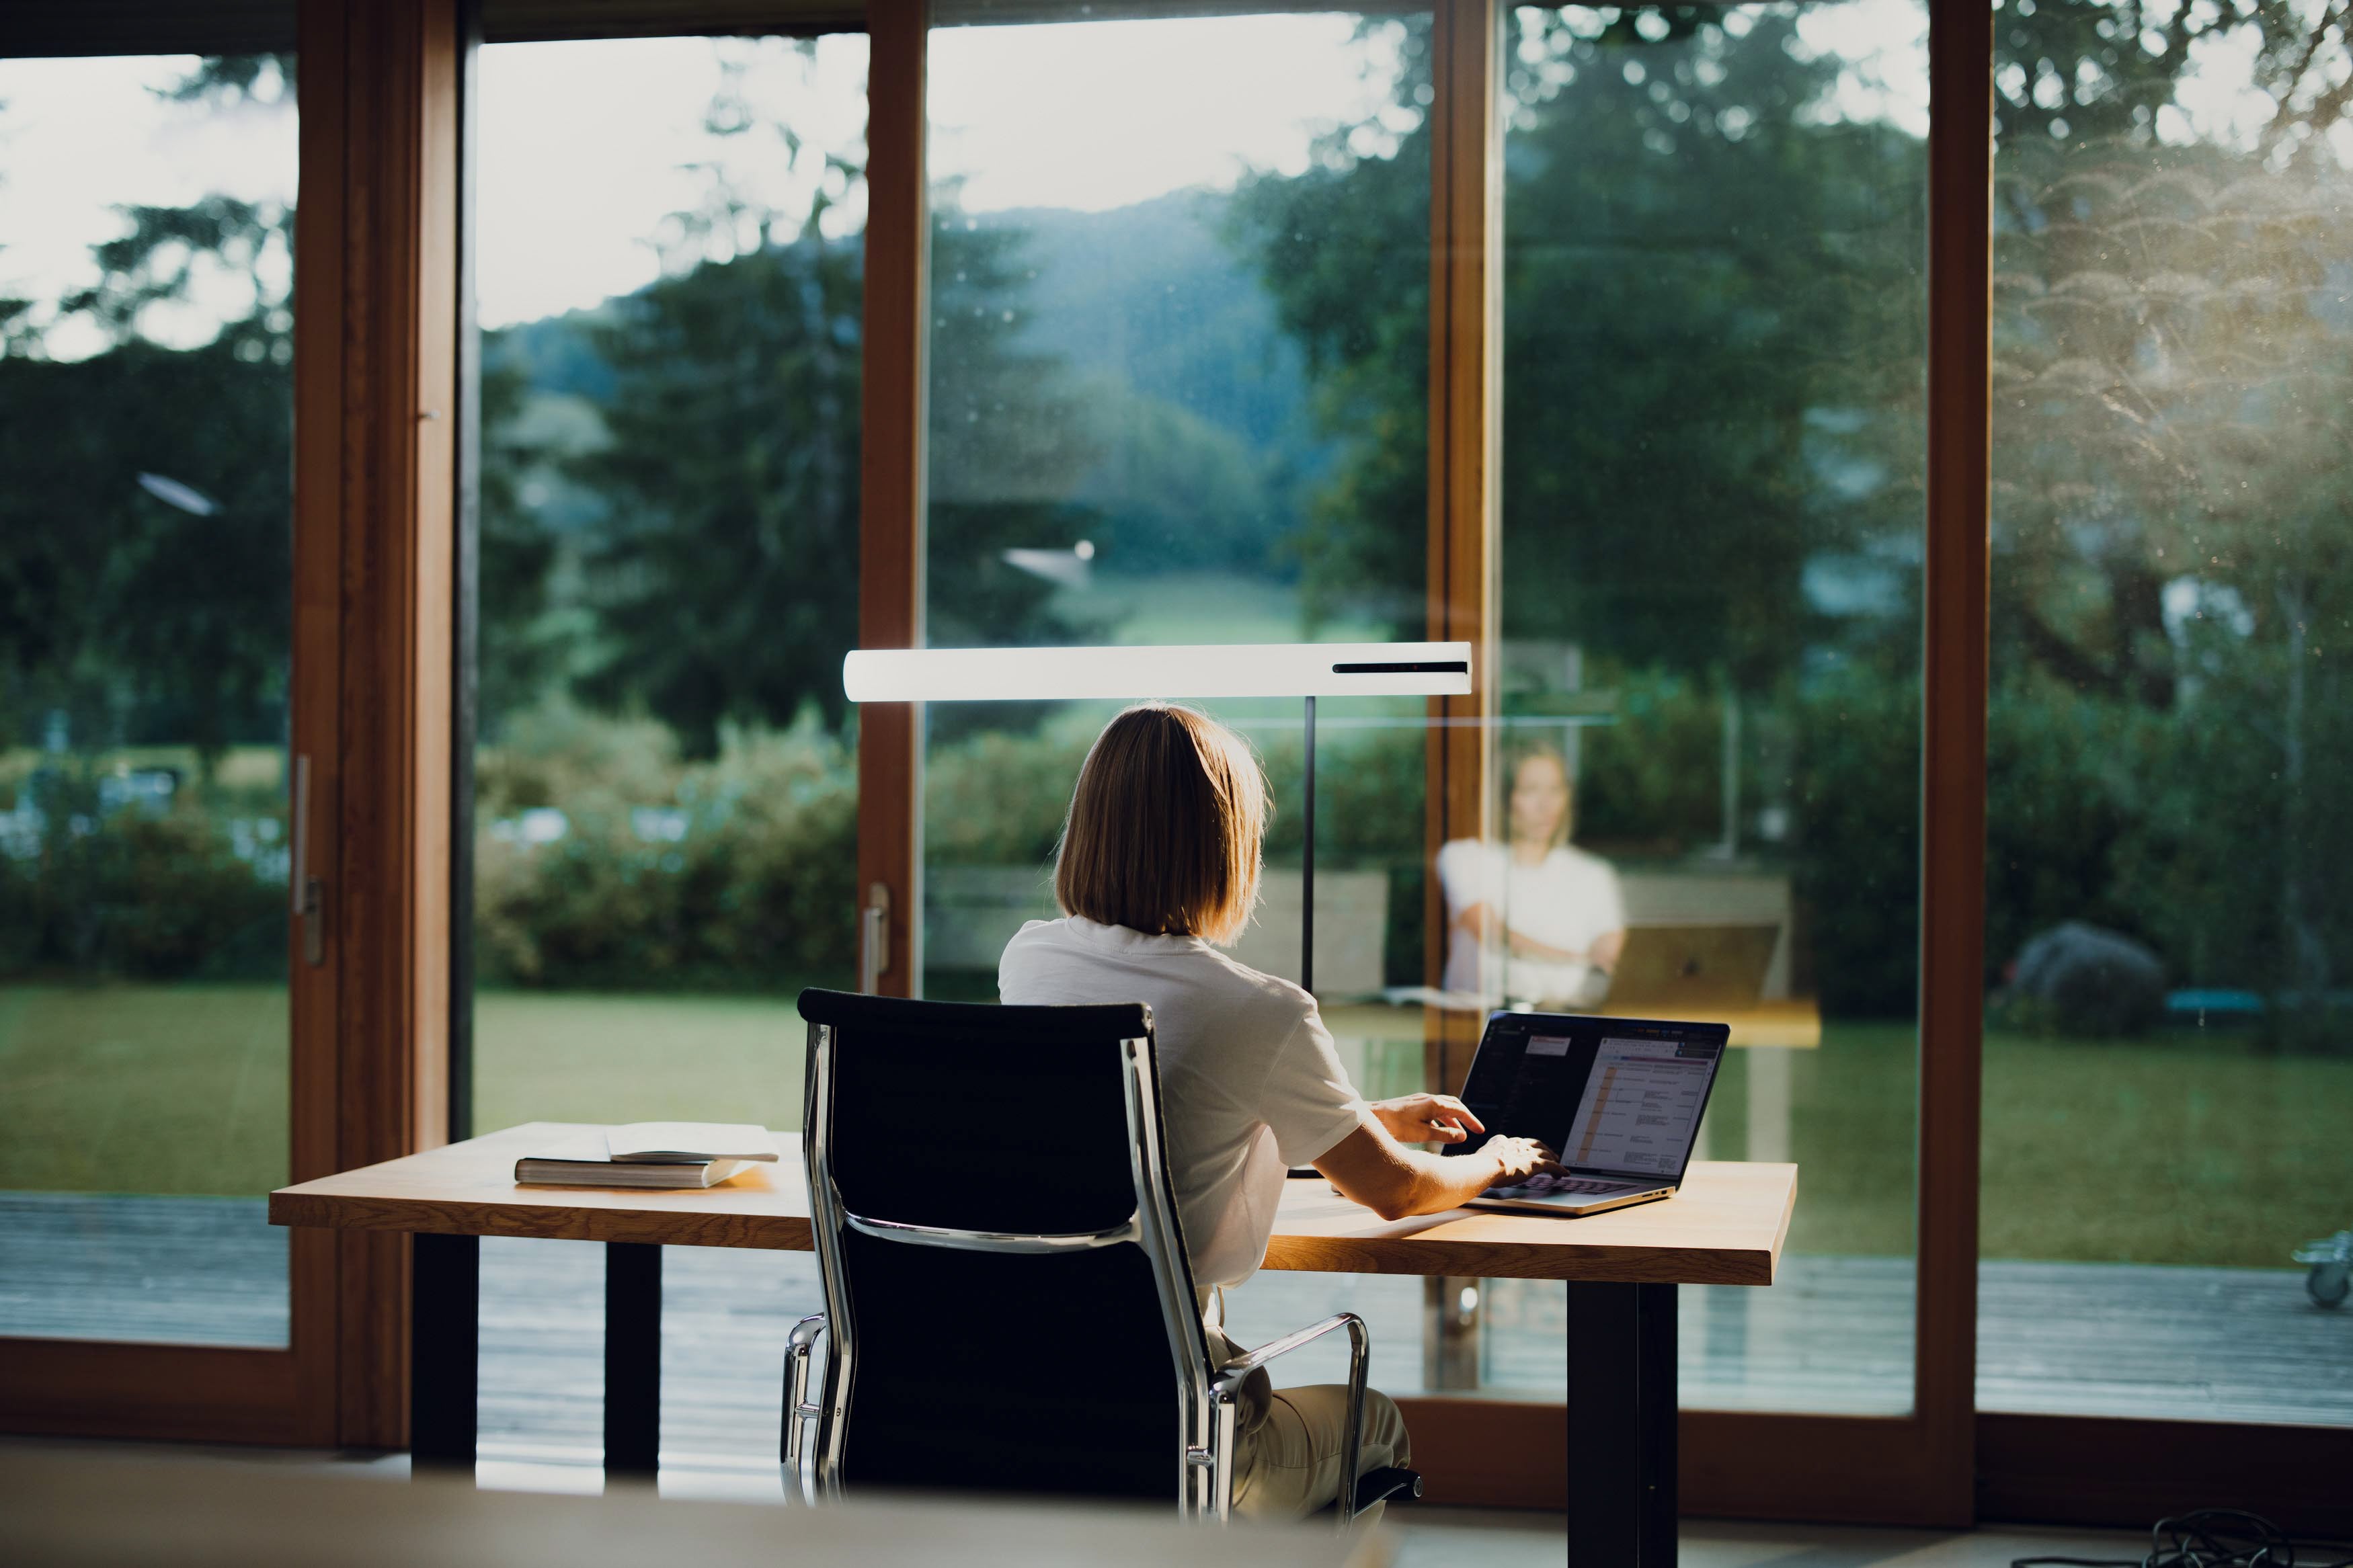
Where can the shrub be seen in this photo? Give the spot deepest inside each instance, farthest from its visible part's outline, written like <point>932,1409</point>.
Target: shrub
<point>145,896</point>
<point>1855,869</point>
<point>739,873</point>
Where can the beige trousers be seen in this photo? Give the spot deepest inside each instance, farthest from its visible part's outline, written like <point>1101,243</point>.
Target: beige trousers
<point>1293,1440</point>
<point>1290,1463</point>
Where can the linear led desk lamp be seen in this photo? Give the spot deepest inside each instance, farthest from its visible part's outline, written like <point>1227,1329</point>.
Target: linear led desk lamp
<point>1306,670</point>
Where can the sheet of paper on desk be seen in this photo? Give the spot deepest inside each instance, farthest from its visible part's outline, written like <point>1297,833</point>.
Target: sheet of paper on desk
<point>688,1142</point>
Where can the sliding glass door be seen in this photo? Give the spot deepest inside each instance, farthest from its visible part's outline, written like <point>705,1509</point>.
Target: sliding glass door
<point>1708,783</point>
<point>667,269</point>
<point>1178,374</point>
<point>2168,932</point>
<point>146,783</point>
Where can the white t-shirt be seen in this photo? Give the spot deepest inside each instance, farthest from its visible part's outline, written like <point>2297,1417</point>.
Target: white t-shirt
<point>1569,899</point>
<point>1248,1081</point>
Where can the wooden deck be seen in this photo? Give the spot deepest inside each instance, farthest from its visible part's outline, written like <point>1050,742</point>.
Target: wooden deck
<point>100,1266</point>
<point>1834,1335</point>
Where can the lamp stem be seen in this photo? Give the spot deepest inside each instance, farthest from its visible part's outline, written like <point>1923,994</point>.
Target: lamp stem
<point>1307,867</point>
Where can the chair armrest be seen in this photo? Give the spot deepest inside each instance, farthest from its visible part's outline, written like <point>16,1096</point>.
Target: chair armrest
<point>1231,1374</point>
<point>1228,1377</point>
<point>799,1411</point>
<point>804,1334</point>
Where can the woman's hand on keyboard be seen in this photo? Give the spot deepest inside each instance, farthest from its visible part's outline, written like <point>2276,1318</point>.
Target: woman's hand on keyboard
<point>1426,1119</point>
<point>1521,1158</point>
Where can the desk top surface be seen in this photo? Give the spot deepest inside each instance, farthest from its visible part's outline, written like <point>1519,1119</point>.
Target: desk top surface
<point>1725,1227</point>
<point>1792,1023</point>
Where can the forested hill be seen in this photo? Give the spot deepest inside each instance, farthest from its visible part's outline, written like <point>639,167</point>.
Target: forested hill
<point>1154,295</point>
<point>1195,402</point>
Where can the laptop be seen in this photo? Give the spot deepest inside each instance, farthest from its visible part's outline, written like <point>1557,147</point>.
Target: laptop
<point>1619,1098</point>
<point>1693,965</point>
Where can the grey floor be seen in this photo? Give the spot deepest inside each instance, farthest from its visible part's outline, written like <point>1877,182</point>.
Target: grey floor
<point>1421,1536</point>
<point>1834,1334</point>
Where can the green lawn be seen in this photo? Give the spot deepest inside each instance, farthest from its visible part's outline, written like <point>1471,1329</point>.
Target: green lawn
<point>2173,1149</point>
<point>568,1056</point>
<point>143,1089</point>
<point>2165,1150</point>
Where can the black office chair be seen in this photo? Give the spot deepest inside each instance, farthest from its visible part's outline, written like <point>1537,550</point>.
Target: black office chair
<point>1008,1302</point>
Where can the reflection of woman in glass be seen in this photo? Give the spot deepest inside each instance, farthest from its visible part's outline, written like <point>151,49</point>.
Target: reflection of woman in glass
<point>1536,919</point>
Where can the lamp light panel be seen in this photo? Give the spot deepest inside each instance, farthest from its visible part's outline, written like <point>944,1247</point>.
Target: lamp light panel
<point>1215,669</point>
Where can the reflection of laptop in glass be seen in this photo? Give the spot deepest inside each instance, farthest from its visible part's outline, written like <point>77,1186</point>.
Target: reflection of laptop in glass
<point>1681,966</point>
<point>1619,1098</point>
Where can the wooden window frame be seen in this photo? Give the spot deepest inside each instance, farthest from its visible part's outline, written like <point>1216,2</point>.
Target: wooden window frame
<point>374,385</point>
<point>894,393</point>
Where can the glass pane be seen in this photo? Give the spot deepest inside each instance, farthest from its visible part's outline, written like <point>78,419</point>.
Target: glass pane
<point>665,790</point>
<point>1178,381</point>
<point>145,433</point>
<point>2169,933</point>
<point>1708,795</point>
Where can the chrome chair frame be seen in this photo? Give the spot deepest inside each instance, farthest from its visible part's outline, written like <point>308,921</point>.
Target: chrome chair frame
<point>1207,1396</point>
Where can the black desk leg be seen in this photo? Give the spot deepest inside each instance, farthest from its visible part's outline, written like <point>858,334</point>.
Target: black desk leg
<point>445,1283</point>
<point>632,1358</point>
<point>1621,1424</point>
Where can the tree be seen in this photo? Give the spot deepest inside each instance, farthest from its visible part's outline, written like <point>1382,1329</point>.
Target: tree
<point>721,576</point>
<point>1008,441</point>
<point>2173,413</point>
<point>145,528</point>
<point>1344,249</point>
<point>2110,243</point>
<point>519,647</point>
<point>1694,269</point>
<point>1711,411</point>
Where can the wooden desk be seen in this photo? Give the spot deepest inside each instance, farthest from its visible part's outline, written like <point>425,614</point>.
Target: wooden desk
<point>1725,1227</point>
<point>1794,1023</point>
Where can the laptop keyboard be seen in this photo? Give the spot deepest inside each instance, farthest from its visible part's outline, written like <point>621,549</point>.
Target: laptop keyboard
<point>1537,1186</point>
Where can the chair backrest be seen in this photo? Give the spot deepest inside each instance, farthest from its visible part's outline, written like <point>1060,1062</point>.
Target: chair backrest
<point>1008,1302</point>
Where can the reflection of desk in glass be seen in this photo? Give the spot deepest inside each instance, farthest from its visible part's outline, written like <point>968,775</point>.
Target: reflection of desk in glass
<point>1371,1033</point>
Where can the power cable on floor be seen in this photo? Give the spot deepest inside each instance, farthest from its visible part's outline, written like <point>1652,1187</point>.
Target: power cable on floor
<point>2211,1538</point>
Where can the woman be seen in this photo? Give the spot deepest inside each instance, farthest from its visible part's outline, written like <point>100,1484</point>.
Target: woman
<point>1158,866</point>
<point>1538,920</point>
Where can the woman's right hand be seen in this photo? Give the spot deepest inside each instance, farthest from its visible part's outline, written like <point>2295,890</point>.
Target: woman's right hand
<point>1521,1158</point>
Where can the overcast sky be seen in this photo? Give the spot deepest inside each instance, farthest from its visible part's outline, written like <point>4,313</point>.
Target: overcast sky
<point>588,148</point>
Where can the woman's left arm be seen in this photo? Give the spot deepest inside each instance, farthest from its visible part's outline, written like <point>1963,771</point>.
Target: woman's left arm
<point>1523,946</point>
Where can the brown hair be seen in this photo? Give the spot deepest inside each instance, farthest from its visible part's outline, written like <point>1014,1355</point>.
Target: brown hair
<point>1165,826</point>
<point>1538,751</point>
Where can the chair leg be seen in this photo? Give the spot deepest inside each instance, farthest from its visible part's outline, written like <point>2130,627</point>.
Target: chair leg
<point>1352,1464</point>
<point>1227,1427</point>
<point>793,1450</point>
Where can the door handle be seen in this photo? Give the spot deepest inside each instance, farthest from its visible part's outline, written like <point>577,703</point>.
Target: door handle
<point>874,939</point>
<point>310,892</point>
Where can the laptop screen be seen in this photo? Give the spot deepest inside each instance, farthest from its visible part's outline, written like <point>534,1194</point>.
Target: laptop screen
<point>1642,1104</point>
<point>1614,1096</point>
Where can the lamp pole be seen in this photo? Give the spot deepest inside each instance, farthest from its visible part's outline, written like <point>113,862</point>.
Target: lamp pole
<point>1307,866</point>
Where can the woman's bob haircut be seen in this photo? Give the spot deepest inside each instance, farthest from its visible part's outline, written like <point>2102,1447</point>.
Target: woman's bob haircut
<point>1508,781</point>
<point>1165,829</point>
